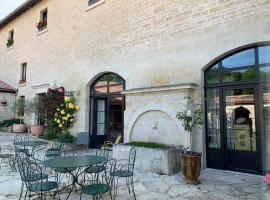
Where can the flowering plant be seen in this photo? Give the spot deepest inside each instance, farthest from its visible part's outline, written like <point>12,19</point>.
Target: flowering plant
<point>42,24</point>
<point>65,113</point>
<point>267,181</point>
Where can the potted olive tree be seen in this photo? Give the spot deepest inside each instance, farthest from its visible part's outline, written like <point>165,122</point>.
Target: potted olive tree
<point>19,108</point>
<point>36,106</point>
<point>191,118</point>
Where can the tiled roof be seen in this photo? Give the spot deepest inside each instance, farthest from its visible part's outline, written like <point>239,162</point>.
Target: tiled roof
<point>18,11</point>
<point>4,87</point>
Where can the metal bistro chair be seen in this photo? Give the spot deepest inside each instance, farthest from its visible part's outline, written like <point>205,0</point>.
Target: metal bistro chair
<point>21,159</point>
<point>9,158</point>
<point>125,169</point>
<point>55,150</point>
<point>98,168</point>
<point>35,183</point>
<point>99,183</point>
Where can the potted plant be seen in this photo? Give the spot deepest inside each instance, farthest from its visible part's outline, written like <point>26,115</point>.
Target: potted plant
<point>36,106</point>
<point>191,118</point>
<point>19,108</point>
<point>42,25</point>
<point>10,42</point>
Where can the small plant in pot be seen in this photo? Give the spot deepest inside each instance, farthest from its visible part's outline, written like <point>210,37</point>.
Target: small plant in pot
<point>191,118</point>
<point>19,108</point>
<point>36,106</point>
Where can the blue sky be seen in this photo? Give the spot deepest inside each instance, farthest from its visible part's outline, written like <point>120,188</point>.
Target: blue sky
<point>7,6</point>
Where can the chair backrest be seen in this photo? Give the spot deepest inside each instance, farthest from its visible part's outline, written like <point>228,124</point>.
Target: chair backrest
<point>82,138</point>
<point>132,158</point>
<point>21,138</point>
<point>105,176</point>
<point>118,139</point>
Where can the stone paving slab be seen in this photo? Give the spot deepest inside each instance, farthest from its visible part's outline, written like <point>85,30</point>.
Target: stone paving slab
<point>215,184</point>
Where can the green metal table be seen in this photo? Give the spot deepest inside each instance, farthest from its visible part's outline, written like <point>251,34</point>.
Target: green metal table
<point>31,143</point>
<point>78,162</point>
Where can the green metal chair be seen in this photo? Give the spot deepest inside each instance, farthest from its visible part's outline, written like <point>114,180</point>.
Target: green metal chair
<point>98,168</point>
<point>37,183</point>
<point>21,160</point>
<point>9,158</point>
<point>55,150</point>
<point>99,183</point>
<point>125,169</point>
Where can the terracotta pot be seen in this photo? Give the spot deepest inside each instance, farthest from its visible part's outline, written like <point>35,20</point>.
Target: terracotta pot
<point>37,130</point>
<point>191,166</point>
<point>19,128</point>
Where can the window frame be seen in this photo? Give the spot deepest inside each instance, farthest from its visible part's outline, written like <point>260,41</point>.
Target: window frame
<point>23,72</point>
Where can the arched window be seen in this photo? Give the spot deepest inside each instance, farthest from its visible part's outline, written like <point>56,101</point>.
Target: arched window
<point>238,84</point>
<point>107,108</point>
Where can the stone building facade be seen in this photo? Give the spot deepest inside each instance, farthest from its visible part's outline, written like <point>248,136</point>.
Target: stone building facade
<point>161,49</point>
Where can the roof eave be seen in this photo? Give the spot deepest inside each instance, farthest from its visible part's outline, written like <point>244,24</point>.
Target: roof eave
<point>18,11</point>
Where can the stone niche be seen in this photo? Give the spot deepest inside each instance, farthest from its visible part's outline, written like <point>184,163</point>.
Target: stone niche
<point>150,114</point>
<point>155,126</point>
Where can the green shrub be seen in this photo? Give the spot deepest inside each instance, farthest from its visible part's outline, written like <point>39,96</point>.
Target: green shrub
<point>66,137</point>
<point>9,122</point>
<point>152,145</point>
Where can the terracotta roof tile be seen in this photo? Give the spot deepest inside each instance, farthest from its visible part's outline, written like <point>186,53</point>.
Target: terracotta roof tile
<point>6,87</point>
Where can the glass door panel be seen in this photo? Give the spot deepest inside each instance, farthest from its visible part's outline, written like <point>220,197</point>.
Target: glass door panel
<point>240,128</point>
<point>213,118</point>
<point>266,124</point>
<point>115,118</point>
<point>101,116</point>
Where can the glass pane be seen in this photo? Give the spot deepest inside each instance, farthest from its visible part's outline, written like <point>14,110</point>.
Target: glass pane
<point>212,75</point>
<point>116,88</point>
<point>264,54</point>
<point>100,129</point>
<point>213,118</point>
<point>101,90</point>
<point>240,119</point>
<point>239,75</point>
<point>243,58</point>
<point>265,73</point>
<point>266,120</point>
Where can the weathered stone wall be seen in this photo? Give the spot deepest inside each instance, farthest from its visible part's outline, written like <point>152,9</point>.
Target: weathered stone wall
<point>6,111</point>
<point>148,42</point>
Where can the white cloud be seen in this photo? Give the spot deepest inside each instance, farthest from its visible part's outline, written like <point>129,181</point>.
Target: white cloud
<point>7,6</point>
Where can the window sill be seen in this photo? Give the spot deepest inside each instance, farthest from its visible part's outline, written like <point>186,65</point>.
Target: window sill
<point>95,5</point>
<point>10,47</point>
<point>42,31</point>
<point>22,84</point>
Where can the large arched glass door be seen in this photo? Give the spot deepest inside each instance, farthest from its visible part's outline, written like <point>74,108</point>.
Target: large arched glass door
<point>237,96</point>
<point>107,109</point>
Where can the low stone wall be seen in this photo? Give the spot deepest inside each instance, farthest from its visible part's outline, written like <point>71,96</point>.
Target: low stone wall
<point>160,161</point>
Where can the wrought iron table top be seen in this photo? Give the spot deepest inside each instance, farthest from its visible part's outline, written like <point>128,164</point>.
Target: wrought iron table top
<point>74,161</point>
<point>31,143</point>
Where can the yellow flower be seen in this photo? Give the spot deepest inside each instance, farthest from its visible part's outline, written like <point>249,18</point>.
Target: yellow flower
<point>55,114</point>
<point>58,109</point>
<point>68,115</point>
<point>65,118</point>
<point>71,120</point>
<point>67,99</point>
<point>70,105</point>
<point>55,119</point>
<point>77,108</point>
<point>63,112</point>
<point>58,121</point>
<point>60,125</point>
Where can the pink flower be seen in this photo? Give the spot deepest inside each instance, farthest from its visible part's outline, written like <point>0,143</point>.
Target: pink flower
<point>267,179</point>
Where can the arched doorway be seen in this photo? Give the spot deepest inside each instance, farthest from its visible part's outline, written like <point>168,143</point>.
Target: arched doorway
<point>106,109</point>
<point>237,103</point>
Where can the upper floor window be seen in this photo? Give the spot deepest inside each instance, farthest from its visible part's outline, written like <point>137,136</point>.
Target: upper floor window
<point>42,24</point>
<point>10,39</point>
<point>94,3</point>
<point>23,73</point>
